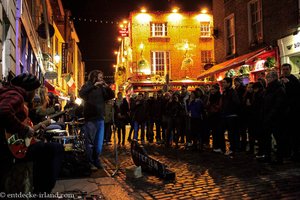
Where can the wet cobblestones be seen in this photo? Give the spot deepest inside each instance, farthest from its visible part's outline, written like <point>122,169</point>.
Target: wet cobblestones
<point>207,175</point>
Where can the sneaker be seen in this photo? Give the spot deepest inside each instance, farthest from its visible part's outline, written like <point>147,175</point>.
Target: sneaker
<point>228,153</point>
<point>218,150</point>
<point>93,167</point>
<point>260,156</point>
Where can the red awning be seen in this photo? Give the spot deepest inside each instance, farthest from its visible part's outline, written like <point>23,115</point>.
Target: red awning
<point>232,63</point>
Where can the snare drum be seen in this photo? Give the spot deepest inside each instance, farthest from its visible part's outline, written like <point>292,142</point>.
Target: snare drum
<point>54,132</point>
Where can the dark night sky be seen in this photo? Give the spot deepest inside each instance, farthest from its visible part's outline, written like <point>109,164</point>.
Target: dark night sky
<point>99,40</point>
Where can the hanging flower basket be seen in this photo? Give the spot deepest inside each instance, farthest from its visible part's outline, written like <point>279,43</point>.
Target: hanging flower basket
<point>270,62</point>
<point>244,70</point>
<point>230,73</point>
<point>186,63</point>
<point>121,70</point>
<point>142,63</point>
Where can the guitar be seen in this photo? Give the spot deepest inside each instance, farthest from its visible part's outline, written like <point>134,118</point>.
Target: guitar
<point>19,146</point>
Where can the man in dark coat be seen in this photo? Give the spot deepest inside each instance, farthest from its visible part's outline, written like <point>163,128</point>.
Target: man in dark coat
<point>230,107</point>
<point>140,116</point>
<point>94,93</point>
<point>274,108</point>
<point>292,88</point>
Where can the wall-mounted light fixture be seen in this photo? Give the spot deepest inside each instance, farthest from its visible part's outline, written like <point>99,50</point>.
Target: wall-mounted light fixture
<point>56,58</point>
<point>142,46</point>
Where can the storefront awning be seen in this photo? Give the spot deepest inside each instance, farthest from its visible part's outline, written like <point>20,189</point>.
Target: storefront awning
<point>229,64</point>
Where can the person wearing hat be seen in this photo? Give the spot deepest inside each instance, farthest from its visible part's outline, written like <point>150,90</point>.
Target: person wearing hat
<point>46,157</point>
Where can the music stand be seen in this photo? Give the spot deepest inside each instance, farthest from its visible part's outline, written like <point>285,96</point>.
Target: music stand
<point>116,152</point>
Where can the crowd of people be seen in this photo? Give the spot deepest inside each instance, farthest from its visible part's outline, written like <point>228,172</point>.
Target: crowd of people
<point>255,114</point>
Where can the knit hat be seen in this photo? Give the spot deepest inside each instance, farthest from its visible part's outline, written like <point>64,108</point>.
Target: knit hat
<point>28,82</point>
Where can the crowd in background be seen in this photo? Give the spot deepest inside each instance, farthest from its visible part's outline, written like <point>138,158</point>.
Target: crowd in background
<point>255,114</point>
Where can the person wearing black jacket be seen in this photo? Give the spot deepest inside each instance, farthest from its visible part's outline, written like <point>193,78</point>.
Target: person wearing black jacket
<point>121,109</point>
<point>155,113</point>
<point>94,93</point>
<point>274,110</point>
<point>292,88</point>
<point>230,107</point>
<point>139,117</point>
<point>240,89</point>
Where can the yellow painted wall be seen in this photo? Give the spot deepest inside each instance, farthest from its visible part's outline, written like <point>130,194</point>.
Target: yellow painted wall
<point>186,29</point>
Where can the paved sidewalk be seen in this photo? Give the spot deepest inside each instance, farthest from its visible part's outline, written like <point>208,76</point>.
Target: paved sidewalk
<point>91,188</point>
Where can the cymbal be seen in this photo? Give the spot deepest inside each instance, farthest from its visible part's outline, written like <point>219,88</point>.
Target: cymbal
<point>56,131</point>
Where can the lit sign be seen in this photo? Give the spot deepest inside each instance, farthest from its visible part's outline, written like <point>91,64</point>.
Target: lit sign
<point>124,32</point>
<point>259,65</point>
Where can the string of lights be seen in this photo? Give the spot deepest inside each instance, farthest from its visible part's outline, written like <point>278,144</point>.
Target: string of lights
<point>103,21</point>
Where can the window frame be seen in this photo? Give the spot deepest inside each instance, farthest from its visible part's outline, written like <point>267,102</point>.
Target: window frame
<point>166,62</point>
<point>207,32</point>
<point>230,48</point>
<point>209,59</point>
<point>158,27</point>
<point>256,37</point>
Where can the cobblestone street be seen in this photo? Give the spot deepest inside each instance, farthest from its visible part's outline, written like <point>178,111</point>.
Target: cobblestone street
<point>207,175</point>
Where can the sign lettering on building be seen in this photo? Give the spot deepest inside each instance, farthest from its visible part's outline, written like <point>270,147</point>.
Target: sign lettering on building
<point>64,59</point>
<point>124,32</point>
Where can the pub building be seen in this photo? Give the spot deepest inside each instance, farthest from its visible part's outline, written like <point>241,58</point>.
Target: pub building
<point>249,67</point>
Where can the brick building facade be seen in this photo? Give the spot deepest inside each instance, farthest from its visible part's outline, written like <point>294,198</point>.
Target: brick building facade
<point>244,27</point>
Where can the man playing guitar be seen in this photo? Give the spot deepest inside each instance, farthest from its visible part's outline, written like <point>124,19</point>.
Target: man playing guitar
<point>46,157</point>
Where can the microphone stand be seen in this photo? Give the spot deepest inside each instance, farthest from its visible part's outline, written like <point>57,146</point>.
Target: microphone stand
<point>116,152</point>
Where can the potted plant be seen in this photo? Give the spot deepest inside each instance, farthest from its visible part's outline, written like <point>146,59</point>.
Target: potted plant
<point>230,73</point>
<point>270,62</point>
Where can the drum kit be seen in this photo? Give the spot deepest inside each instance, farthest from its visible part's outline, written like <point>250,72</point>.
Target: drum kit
<point>72,139</point>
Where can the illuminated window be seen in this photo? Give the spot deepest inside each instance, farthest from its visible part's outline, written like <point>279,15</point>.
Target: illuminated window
<point>206,56</point>
<point>159,29</point>
<point>160,62</point>
<point>255,21</point>
<point>230,34</point>
<point>205,29</point>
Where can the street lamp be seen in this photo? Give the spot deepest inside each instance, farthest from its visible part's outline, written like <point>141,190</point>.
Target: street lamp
<point>56,58</point>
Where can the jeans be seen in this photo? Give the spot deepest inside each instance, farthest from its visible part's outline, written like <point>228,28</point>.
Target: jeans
<point>136,130</point>
<point>94,135</point>
<point>231,125</point>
